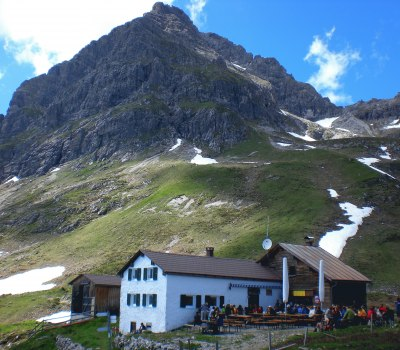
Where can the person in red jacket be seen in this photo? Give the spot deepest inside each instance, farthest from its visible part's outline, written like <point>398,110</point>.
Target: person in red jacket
<point>371,314</point>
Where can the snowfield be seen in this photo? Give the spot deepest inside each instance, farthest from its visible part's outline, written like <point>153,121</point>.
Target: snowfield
<point>305,137</point>
<point>13,179</point>
<point>334,241</point>
<point>178,143</point>
<point>200,160</point>
<point>31,281</point>
<point>332,193</point>
<point>370,161</point>
<point>327,122</point>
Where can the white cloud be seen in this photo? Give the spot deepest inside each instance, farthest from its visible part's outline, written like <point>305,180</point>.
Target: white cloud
<point>332,67</point>
<point>46,32</point>
<point>196,11</point>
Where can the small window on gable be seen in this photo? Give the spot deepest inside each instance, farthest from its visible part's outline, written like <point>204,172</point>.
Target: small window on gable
<point>292,271</point>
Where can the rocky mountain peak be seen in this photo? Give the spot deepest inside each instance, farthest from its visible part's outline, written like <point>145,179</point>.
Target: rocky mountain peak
<point>143,85</point>
<point>171,19</point>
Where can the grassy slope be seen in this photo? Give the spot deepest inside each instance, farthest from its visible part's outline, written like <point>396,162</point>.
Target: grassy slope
<point>291,191</point>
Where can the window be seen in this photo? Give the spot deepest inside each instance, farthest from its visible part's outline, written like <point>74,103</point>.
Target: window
<point>211,300</point>
<point>292,270</point>
<point>134,274</point>
<point>149,300</point>
<point>150,273</point>
<point>268,291</point>
<point>133,299</point>
<point>186,300</point>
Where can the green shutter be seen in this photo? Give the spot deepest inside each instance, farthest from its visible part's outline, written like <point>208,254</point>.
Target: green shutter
<point>183,301</point>
<point>129,274</point>
<point>144,300</point>
<point>154,300</point>
<point>198,301</point>
<point>128,300</point>
<point>137,301</point>
<point>145,274</point>
<point>155,270</point>
<point>138,273</point>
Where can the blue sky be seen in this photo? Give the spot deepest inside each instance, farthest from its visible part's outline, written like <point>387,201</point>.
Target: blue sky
<point>348,50</point>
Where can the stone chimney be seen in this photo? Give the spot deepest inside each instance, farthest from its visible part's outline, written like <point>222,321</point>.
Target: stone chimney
<point>309,240</point>
<point>210,251</point>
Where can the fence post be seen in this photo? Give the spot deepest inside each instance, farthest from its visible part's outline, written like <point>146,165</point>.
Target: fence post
<point>371,320</point>
<point>269,340</point>
<point>216,345</point>
<point>305,336</point>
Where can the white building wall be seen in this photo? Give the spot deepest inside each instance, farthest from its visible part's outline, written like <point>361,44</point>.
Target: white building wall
<point>145,314</point>
<point>194,285</point>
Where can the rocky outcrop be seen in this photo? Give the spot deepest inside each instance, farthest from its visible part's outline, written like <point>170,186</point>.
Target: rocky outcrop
<point>63,343</point>
<point>146,83</point>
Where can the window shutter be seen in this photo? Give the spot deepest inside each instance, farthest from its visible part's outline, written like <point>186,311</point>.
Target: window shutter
<point>145,274</point>
<point>154,300</point>
<point>137,301</point>
<point>198,301</point>
<point>128,300</point>
<point>129,274</point>
<point>138,274</point>
<point>221,300</point>
<point>155,270</point>
<point>183,301</point>
<point>144,300</point>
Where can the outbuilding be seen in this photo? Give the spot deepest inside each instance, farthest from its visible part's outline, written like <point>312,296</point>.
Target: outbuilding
<point>343,284</point>
<point>92,294</point>
<point>163,290</point>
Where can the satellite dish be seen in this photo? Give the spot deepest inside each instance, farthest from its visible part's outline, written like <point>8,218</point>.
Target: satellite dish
<point>267,243</point>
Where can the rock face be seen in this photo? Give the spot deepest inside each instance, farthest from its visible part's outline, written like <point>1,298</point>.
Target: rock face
<point>143,85</point>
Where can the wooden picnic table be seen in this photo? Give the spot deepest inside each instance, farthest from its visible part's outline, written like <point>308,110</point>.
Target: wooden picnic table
<point>240,317</point>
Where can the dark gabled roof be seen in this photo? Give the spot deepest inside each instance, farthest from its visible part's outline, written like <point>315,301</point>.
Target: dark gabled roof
<point>334,269</point>
<point>101,280</point>
<point>206,266</point>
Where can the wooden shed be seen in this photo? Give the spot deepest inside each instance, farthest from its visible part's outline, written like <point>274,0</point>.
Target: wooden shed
<point>92,294</point>
<point>343,284</point>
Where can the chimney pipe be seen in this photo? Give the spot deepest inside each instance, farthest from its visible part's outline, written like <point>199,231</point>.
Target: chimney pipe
<point>210,251</point>
<point>309,240</point>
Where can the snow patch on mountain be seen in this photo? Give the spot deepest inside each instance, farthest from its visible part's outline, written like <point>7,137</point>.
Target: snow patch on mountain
<point>305,137</point>
<point>200,160</point>
<point>178,143</point>
<point>332,193</point>
<point>334,241</point>
<point>13,179</point>
<point>386,155</point>
<point>31,281</point>
<point>372,160</point>
<point>327,122</point>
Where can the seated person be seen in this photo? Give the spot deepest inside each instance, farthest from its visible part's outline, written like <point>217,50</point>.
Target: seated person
<point>141,328</point>
<point>197,319</point>
<point>349,317</point>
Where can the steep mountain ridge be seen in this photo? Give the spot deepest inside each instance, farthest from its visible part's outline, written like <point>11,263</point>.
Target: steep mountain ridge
<point>148,81</point>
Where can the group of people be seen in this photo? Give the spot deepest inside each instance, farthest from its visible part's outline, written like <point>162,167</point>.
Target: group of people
<point>337,316</point>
